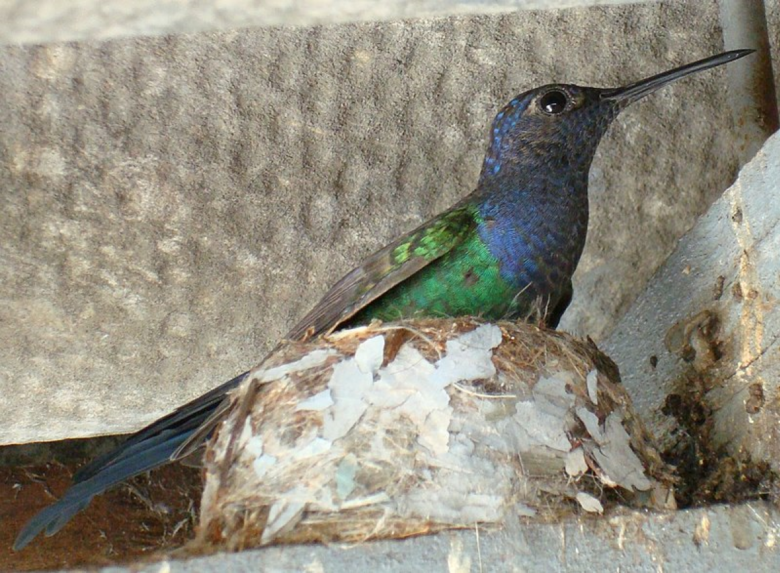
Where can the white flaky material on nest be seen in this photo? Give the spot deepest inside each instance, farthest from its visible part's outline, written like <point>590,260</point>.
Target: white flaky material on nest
<point>401,429</point>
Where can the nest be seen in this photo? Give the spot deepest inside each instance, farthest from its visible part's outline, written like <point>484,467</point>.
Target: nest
<point>395,430</point>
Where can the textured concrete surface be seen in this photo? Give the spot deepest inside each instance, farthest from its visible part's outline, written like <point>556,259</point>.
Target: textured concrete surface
<point>772,9</point>
<point>751,88</point>
<point>740,538</point>
<point>42,21</point>
<point>709,318</point>
<point>171,205</point>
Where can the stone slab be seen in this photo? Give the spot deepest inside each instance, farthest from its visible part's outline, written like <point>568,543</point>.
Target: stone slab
<point>719,539</point>
<point>171,205</point>
<point>44,21</point>
<point>707,325</point>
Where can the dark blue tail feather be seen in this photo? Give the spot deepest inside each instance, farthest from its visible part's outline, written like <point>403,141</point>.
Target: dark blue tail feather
<point>151,447</point>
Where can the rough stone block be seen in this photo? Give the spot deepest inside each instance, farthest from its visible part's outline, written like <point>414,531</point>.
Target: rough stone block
<point>698,351</point>
<point>740,538</point>
<point>41,21</point>
<point>171,205</point>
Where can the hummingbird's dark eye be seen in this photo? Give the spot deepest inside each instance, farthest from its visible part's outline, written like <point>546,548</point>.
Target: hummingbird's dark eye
<point>554,102</point>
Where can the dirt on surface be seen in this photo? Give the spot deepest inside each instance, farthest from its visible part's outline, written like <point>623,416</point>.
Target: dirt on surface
<point>150,513</point>
<point>709,474</point>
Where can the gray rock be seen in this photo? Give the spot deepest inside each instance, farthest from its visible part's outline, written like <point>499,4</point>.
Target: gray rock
<point>704,335</point>
<point>40,21</point>
<point>171,205</point>
<point>740,538</point>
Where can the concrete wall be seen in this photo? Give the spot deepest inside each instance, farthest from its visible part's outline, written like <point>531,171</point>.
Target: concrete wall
<point>719,539</point>
<point>42,21</point>
<point>171,205</point>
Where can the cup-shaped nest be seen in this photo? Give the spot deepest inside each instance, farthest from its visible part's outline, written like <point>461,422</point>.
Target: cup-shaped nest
<point>393,430</point>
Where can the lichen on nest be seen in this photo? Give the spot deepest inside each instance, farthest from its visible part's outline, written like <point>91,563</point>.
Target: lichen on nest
<point>392,430</point>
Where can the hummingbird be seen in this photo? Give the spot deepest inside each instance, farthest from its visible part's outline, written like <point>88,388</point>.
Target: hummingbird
<point>508,250</point>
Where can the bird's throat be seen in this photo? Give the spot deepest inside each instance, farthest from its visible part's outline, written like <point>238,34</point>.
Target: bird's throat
<point>535,224</point>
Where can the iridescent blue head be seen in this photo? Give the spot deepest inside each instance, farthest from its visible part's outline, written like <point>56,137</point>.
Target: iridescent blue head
<point>558,127</point>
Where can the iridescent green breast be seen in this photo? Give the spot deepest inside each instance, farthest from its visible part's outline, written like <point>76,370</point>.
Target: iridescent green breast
<point>465,281</point>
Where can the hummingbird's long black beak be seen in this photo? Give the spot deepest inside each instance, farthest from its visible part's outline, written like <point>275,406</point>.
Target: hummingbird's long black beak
<point>636,91</point>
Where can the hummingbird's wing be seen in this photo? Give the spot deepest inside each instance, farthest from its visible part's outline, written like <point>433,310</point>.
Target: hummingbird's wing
<point>385,269</point>
<point>376,275</point>
<point>179,433</point>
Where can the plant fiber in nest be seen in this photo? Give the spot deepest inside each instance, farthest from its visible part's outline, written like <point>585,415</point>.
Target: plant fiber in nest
<point>401,429</point>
